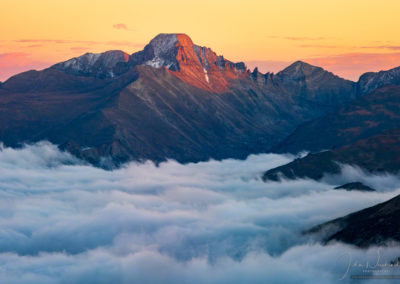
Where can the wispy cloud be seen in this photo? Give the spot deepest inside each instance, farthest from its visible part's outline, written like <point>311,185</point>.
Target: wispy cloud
<point>390,47</point>
<point>354,47</point>
<point>33,46</point>
<point>330,46</point>
<point>303,38</point>
<point>41,41</point>
<point>84,42</point>
<point>80,48</point>
<point>296,38</point>
<point>120,27</point>
<point>123,27</point>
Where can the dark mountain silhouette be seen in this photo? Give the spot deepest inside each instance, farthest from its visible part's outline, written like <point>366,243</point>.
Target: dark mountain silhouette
<point>355,186</point>
<point>376,225</point>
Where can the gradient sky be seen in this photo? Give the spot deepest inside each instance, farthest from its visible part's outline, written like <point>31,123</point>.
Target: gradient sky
<point>347,37</point>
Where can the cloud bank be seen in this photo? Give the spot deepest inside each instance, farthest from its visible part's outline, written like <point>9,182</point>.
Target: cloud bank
<point>62,221</point>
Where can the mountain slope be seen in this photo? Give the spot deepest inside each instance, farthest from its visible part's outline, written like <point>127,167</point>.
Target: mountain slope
<point>314,83</point>
<point>173,100</point>
<point>372,226</point>
<point>360,119</point>
<point>376,154</point>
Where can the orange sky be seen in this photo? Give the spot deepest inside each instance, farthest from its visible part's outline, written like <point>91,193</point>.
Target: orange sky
<point>347,37</point>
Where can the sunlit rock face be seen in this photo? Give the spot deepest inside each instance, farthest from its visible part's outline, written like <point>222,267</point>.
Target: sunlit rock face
<point>193,64</point>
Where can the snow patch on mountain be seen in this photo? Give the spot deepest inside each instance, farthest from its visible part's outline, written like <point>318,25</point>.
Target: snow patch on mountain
<point>82,62</point>
<point>161,51</point>
<point>206,75</point>
<point>163,44</point>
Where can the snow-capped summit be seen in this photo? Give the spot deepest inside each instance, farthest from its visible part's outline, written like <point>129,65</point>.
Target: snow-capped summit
<point>194,64</point>
<point>162,51</point>
<point>164,48</point>
<point>103,65</point>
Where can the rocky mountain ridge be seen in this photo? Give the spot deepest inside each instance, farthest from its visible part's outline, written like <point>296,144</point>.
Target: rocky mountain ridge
<point>376,225</point>
<point>172,100</point>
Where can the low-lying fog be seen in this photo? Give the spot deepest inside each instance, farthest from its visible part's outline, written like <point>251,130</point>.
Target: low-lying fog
<point>62,221</point>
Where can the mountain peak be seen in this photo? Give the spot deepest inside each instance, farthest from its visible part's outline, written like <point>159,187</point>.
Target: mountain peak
<point>164,42</point>
<point>315,83</point>
<point>300,64</point>
<point>162,50</point>
<point>196,65</point>
<point>102,65</point>
<point>170,39</point>
<point>300,69</point>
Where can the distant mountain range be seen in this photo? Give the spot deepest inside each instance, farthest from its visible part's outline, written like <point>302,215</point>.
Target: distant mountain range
<point>177,100</point>
<point>173,100</point>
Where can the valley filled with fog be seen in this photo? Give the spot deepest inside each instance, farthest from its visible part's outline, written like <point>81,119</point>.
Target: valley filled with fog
<point>63,221</point>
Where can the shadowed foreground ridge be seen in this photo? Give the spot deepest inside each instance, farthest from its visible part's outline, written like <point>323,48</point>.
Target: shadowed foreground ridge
<point>372,226</point>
